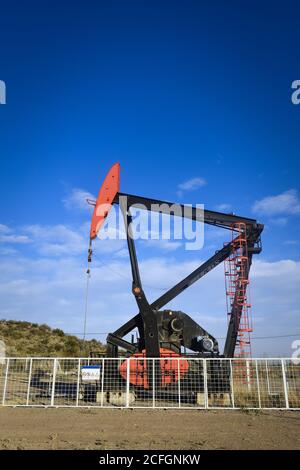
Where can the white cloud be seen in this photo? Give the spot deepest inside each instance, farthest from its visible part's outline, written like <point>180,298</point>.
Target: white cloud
<point>7,236</point>
<point>291,242</point>
<point>285,203</point>
<point>52,291</point>
<point>11,238</point>
<point>4,228</point>
<point>77,199</point>
<point>191,185</point>
<point>48,286</point>
<point>55,240</point>
<point>277,269</point>
<point>61,241</point>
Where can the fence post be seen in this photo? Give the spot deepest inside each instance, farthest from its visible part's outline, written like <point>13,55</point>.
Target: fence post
<point>53,382</point>
<point>231,384</point>
<point>5,381</point>
<point>29,382</point>
<point>153,382</point>
<point>286,396</point>
<point>268,381</point>
<point>102,384</point>
<point>179,387</point>
<point>78,381</point>
<point>258,386</point>
<point>127,381</point>
<point>205,383</point>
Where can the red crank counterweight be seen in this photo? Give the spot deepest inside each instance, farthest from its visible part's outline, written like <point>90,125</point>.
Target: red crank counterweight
<point>171,368</point>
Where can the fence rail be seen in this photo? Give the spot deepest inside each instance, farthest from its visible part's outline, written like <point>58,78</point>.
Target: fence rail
<point>150,383</point>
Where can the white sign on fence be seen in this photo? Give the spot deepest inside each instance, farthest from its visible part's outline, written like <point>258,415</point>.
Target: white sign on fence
<point>90,373</point>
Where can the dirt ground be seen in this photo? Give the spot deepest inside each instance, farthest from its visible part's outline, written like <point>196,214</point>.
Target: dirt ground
<point>25,428</point>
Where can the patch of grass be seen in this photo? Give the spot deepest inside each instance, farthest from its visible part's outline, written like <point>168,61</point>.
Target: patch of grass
<point>30,339</point>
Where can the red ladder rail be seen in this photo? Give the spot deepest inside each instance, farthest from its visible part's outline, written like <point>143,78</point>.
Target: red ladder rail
<point>237,289</point>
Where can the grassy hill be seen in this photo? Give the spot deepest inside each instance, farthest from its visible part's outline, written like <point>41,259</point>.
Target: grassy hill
<point>30,339</point>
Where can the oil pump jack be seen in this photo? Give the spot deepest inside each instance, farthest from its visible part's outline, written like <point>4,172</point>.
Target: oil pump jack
<point>163,331</point>
<point>166,333</point>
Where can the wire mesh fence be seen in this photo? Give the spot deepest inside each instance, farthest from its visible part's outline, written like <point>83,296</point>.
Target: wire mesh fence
<point>150,383</point>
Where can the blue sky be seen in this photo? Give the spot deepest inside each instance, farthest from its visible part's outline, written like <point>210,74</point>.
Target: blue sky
<point>173,91</point>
